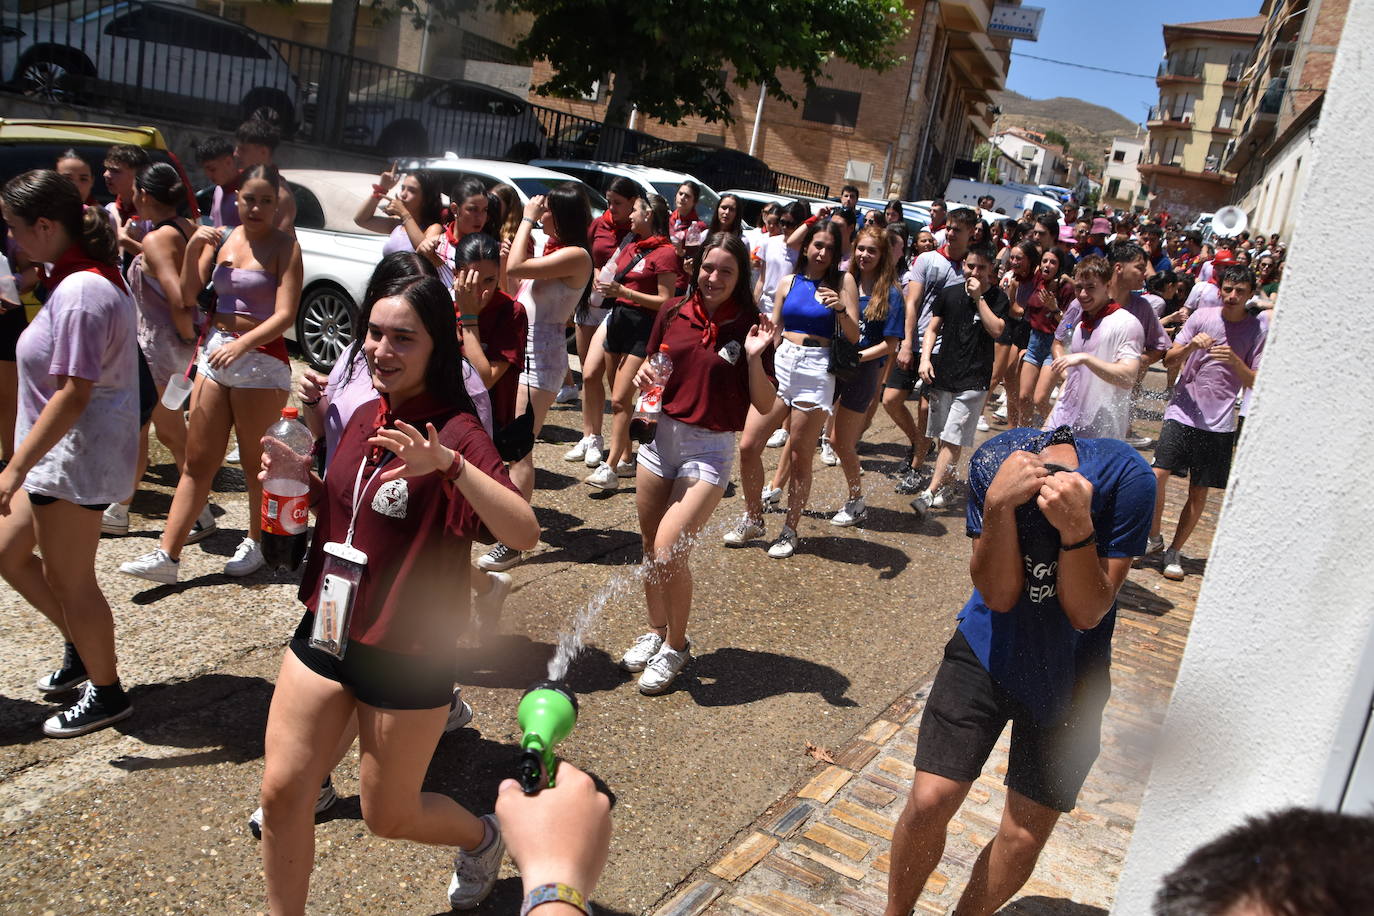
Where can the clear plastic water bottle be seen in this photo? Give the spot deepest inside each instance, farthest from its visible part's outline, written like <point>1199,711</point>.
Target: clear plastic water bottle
<point>286,495</point>
<point>644,424</point>
<point>606,275</point>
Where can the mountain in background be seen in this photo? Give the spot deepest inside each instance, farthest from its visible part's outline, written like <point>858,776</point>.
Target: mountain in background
<point>1088,127</point>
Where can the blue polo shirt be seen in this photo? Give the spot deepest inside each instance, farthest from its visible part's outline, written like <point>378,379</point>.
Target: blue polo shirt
<point>1032,651</point>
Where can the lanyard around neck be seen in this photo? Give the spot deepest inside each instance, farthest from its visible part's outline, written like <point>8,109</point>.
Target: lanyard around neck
<point>358,490</point>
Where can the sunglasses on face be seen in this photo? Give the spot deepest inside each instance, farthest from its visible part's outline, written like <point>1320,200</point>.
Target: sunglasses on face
<point>787,223</point>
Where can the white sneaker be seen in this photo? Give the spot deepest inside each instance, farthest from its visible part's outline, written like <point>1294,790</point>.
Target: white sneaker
<point>645,648</point>
<point>922,503</point>
<point>745,531</point>
<point>852,513</point>
<point>204,527</point>
<point>579,451</point>
<point>567,394</point>
<point>983,424</point>
<point>459,713</point>
<point>1173,566</point>
<point>323,802</point>
<point>785,545</point>
<point>1140,442</point>
<point>779,438</point>
<point>596,452</point>
<point>603,478</point>
<point>154,566</point>
<point>474,873</point>
<point>1153,544</point>
<point>488,607</point>
<point>828,456</point>
<point>1001,413</point>
<point>945,498</point>
<point>662,669</point>
<point>500,558</point>
<point>246,560</point>
<point>1054,395</point>
<point>625,469</point>
<point>771,496</point>
<point>233,456</point>
<point>115,519</point>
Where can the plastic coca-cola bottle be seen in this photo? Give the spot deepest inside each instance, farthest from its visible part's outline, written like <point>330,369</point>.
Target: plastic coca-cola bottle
<point>644,424</point>
<point>286,495</point>
<point>605,275</point>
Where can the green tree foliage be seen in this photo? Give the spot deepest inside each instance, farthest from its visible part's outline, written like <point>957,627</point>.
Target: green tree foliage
<point>669,58</point>
<point>1055,138</point>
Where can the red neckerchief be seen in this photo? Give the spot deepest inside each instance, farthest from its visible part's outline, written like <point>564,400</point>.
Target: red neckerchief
<point>550,246</point>
<point>1089,323</point>
<point>74,260</point>
<point>125,211</point>
<point>417,411</point>
<point>651,243</point>
<point>695,309</point>
<point>609,222</point>
<point>943,251</point>
<point>451,234</point>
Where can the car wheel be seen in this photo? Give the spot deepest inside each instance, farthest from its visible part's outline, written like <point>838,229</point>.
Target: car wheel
<point>273,106</point>
<point>324,326</point>
<point>53,75</point>
<point>404,139</point>
<point>523,151</point>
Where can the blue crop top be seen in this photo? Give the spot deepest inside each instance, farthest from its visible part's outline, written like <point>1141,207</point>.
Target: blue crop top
<point>803,313</point>
<point>245,291</point>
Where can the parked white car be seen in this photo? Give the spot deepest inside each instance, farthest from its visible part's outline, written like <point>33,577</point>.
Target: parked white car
<point>412,115</point>
<point>338,258</point>
<point>528,180</point>
<point>151,55</point>
<point>653,181</point>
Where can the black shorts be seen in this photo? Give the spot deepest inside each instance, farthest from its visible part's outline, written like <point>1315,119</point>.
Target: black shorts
<point>857,393</point>
<point>967,711</point>
<point>38,499</point>
<point>1205,455</point>
<point>147,390</point>
<point>386,680</point>
<point>12,324</point>
<point>628,330</point>
<point>907,379</point>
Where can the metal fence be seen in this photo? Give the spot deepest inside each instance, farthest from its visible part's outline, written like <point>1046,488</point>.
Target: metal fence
<point>178,63</point>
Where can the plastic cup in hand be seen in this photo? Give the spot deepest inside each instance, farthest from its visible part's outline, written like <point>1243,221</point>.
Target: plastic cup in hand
<point>178,389</point>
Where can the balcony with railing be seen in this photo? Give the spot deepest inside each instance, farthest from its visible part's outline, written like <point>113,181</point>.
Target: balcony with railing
<point>1235,72</point>
<point>1179,71</point>
<point>1165,118</point>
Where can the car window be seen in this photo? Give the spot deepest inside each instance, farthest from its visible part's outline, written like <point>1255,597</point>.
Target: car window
<point>495,104</point>
<point>706,205</point>
<point>533,187</point>
<point>598,180</point>
<point>309,212</point>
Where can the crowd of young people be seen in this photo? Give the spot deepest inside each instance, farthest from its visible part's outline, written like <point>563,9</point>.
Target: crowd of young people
<point>790,334</point>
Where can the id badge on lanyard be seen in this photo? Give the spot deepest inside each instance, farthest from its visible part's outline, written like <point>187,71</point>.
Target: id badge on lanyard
<point>344,566</point>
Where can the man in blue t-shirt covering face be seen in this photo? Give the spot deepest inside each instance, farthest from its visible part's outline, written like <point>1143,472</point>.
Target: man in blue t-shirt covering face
<point>1055,522</point>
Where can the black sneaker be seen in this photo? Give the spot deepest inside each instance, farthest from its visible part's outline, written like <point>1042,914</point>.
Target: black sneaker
<point>68,677</point>
<point>911,481</point>
<point>90,713</point>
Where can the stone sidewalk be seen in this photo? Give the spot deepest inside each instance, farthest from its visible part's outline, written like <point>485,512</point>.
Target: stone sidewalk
<point>823,848</point>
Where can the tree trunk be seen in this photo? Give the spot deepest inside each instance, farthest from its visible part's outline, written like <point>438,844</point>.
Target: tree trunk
<point>610,145</point>
<point>332,90</point>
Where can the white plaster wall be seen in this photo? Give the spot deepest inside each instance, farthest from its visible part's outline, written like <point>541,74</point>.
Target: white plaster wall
<point>1286,607</point>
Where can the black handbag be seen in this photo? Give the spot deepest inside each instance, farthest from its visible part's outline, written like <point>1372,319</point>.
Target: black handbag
<point>515,440</point>
<point>844,355</point>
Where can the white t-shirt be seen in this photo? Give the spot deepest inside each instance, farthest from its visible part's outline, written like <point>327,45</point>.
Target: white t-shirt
<point>1092,406</point>
<point>778,262</point>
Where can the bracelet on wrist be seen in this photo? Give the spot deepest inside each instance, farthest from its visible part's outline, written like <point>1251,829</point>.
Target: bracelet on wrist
<point>555,893</point>
<point>310,403</point>
<point>1086,542</point>
<point>529,219</point>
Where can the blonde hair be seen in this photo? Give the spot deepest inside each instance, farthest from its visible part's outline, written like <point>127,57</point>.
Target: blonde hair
<point>511,208</point>
<point>886,273</point>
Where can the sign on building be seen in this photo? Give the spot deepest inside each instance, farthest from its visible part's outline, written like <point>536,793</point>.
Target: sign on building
<point>1016,21</point>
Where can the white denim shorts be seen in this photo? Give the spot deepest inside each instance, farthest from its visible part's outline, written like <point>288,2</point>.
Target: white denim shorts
<point>681,450</point>
<point>954,415</point>
<point>546,357</point>
<point>804,379</point>
<point>591,317</point>
<point>253,369</point>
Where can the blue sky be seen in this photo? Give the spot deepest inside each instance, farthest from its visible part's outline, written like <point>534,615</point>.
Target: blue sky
<point>1112,34</point>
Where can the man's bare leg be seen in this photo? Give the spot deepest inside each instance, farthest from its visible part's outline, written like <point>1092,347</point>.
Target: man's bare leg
<point>1006,863</point>
<point>919,840</point>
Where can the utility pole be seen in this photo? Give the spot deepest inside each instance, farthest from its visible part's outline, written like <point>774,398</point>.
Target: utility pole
<point>994,147</point>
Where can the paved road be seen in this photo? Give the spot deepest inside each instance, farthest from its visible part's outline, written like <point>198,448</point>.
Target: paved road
<point>149,817</point>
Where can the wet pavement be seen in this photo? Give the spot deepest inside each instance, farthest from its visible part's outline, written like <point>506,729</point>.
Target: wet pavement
<point>150,816</point>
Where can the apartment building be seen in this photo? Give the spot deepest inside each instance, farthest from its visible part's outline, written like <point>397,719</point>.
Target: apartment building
<point>901,132</point>
<point>1278,106</point>
<point>1121,185</point>
<point>1199,82</point>
<point>1044,162</point>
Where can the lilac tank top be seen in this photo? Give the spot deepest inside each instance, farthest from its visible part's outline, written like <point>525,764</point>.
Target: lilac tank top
<point>399,240</point>
<point>246,291</point>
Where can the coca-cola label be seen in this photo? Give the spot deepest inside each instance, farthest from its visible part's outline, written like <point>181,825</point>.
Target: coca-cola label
<point>285,515</point>
<point>651,401</point>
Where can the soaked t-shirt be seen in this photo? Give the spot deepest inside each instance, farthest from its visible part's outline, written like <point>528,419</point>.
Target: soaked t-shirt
<point>1088,404</point>
<point>1206,390</point>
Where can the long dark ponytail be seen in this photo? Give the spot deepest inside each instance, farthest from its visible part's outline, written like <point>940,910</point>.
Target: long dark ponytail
<point>44,194</point>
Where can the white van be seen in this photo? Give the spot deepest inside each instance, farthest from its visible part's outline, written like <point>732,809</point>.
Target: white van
<point>1010,198</point>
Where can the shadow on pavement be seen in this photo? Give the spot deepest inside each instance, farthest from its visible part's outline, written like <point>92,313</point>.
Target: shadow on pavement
<point>545,479</point>
<point>740,676</point>
<point>896,521</point>
<point>1139,598</point>
<point>1049,906</point>
<point>190,714</point>
<point>888,561</point>
<point>21,720</point>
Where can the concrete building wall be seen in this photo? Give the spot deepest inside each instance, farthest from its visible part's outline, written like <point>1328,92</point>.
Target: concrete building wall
<point>1278,662</point>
